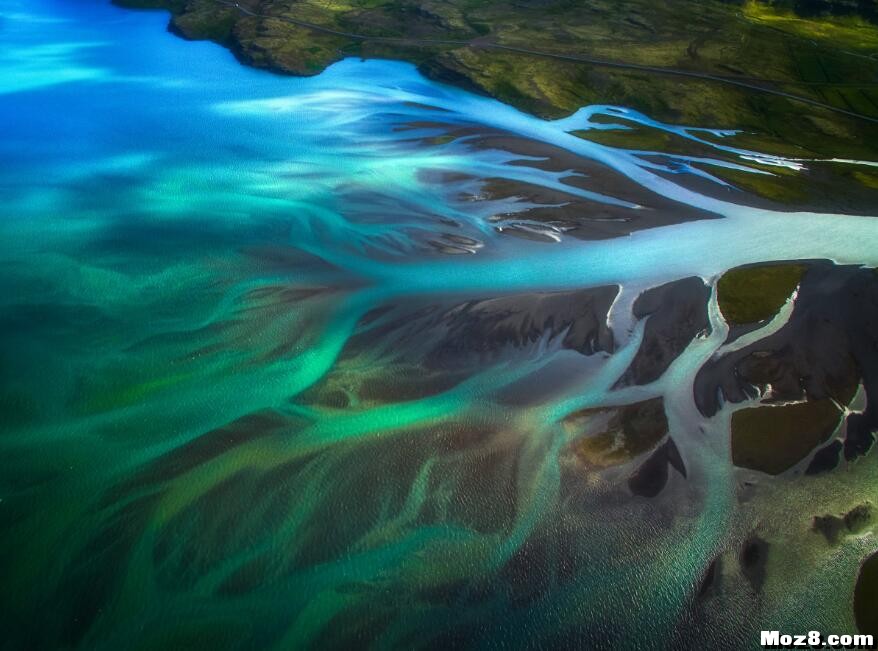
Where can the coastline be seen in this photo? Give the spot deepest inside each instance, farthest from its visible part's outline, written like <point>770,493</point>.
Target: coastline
<point>273,379</point>
<point>547,88</point>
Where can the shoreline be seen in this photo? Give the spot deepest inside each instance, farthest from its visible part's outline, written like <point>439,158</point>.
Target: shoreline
<point>293,46</point>
<point>487,45</point>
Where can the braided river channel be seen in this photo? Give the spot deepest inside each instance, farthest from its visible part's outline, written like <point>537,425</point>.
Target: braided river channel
<point>362,359</point>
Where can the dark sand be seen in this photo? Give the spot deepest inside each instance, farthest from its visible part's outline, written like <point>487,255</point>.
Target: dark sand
<point>677,313</point>
<point>828,347</point>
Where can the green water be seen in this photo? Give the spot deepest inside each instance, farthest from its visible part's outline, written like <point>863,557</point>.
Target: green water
<point>195,256</point>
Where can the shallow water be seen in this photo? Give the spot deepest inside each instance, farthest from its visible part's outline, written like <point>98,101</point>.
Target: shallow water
<point>192,255</point>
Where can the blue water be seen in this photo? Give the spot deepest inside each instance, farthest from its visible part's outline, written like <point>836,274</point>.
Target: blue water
<point>186,242</point>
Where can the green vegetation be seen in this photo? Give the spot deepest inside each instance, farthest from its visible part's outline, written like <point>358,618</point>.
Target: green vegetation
<point>216,25</point>
<point>614,436</point>
<point>781,185</point>
<point>288,47</point>
<point>848,31</point>
<point>822,57</point>
<point>643,139</point>
<point>774,439</point>
<point>752,294</point>
<point>866,597</point>
<point>867,178</point>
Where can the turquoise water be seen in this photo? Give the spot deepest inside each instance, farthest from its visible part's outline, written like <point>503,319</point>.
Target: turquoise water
<point>189,248</point>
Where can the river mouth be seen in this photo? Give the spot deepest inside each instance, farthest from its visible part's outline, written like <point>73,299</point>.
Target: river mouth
<point>362,358</point>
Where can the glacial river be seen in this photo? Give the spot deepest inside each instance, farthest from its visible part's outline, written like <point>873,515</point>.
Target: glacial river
<point>216,283</point>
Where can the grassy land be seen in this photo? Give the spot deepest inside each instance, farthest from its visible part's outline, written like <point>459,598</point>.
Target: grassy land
<point>827,59</point>
<point>774,439</point>
<point>845,31</point>
<point>752,294</point>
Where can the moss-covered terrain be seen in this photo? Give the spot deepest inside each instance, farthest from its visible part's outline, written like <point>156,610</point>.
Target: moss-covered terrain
<point>809,51</point>
<point>755,293</point>
<point>607,437</point>
<point>772,439</point>
<point>615,436</point>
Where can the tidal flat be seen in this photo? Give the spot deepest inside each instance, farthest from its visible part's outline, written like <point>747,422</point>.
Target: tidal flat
<point>363,358</point>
